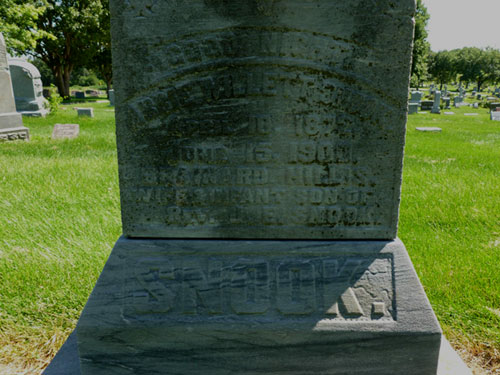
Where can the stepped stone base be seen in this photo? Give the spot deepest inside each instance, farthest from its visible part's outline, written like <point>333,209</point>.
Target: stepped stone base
<point>11,127</point>
<point>246,307</point>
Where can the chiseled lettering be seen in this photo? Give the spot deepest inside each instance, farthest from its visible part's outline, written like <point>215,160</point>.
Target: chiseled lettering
<point>200,290</point>
<point>295,288</point>
<point>250,287</point>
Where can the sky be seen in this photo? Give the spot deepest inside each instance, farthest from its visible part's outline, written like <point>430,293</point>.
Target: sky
<point>463,23</point>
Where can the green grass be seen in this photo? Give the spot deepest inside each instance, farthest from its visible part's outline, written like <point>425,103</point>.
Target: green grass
<point>59,209</point>
<point>450,222</point>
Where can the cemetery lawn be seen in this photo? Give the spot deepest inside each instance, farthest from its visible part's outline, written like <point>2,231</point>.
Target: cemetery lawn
<point>59,210</point>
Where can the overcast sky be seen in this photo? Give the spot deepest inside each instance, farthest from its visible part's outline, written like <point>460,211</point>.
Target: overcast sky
<point>463,23</point>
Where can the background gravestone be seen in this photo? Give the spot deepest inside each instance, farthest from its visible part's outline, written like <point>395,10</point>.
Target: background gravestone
<point>64,131</point>
<point>252,136</point>
<point>28,88</point>
<point>11,122</point>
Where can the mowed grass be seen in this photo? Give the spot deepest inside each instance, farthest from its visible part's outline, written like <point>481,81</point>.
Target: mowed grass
<point>59,215</point>
<point>450,223</point>
<point>59,203</point>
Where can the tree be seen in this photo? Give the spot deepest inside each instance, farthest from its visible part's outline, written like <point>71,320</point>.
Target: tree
<point>477,65</point>
<point>101,60</point>
<point>421,46</point>
<point>443,67</point>
<point>18,23</point>
<point>71,28</point>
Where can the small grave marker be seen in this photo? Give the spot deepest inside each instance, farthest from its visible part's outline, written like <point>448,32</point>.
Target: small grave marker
<point>85,112</point>
<point>65,131</point>
<point>428,129</point>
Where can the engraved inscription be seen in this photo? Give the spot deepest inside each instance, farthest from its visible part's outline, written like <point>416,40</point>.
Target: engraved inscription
<point>343,288</point>
<point>256,130</point>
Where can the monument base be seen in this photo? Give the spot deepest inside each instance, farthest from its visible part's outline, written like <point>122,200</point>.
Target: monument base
<point>11,127</point>
<point>67,361</point>
<point>246,307</point>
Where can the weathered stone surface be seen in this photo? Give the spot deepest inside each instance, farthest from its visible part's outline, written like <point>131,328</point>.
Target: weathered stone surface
<point>67,361</point>
<point>11,122</point>
<point>85,112</point>
<point>437,102</point>
<point>297,307</point>
<point>62,131</point>
<point>261,119</point>
<point>111,97</point>
<point>416,97</point>
<point>413,108</point>
<point>495,116</point>
<point>28,88</point>
<point>257,120</point>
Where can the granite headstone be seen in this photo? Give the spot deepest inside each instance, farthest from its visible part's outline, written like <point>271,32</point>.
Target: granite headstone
<point>111,94</point>
<point>260,158</point>
<point>28,88</point>
<point>436,106</point>
<point>11,122</point>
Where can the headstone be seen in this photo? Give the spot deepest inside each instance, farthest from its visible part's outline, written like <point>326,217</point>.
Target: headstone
<point>28,88</point>
<point>495,116</point>
<point>470,114</point>
<point>449,113</point>
<point>62,131</point>
<point>416,97</point>
<point>426,105</point>
<point>446,101</point>
<point>475,105</point>
<point>93,93</point>
<point>436,106</point>
<point>260,158</point>
<point>413,108</point>
<point>11,122</point>
<point>429,129</point>
<point>458,101</point>
<point>111,97</point>
<point>85,112</point>
<point>494,105</point>
<point>79,95</point>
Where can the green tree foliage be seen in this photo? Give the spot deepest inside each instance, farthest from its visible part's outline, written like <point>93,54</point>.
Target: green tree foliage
<point>18,20</point>
<point>71,29</point>
<point>443,67</point>
<point>421,46</point>
<point>470,64</point>
<point>101,61</point>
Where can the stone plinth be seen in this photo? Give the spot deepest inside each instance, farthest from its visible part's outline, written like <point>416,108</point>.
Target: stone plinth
<point>11,122</point>
<point>201,306</point>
